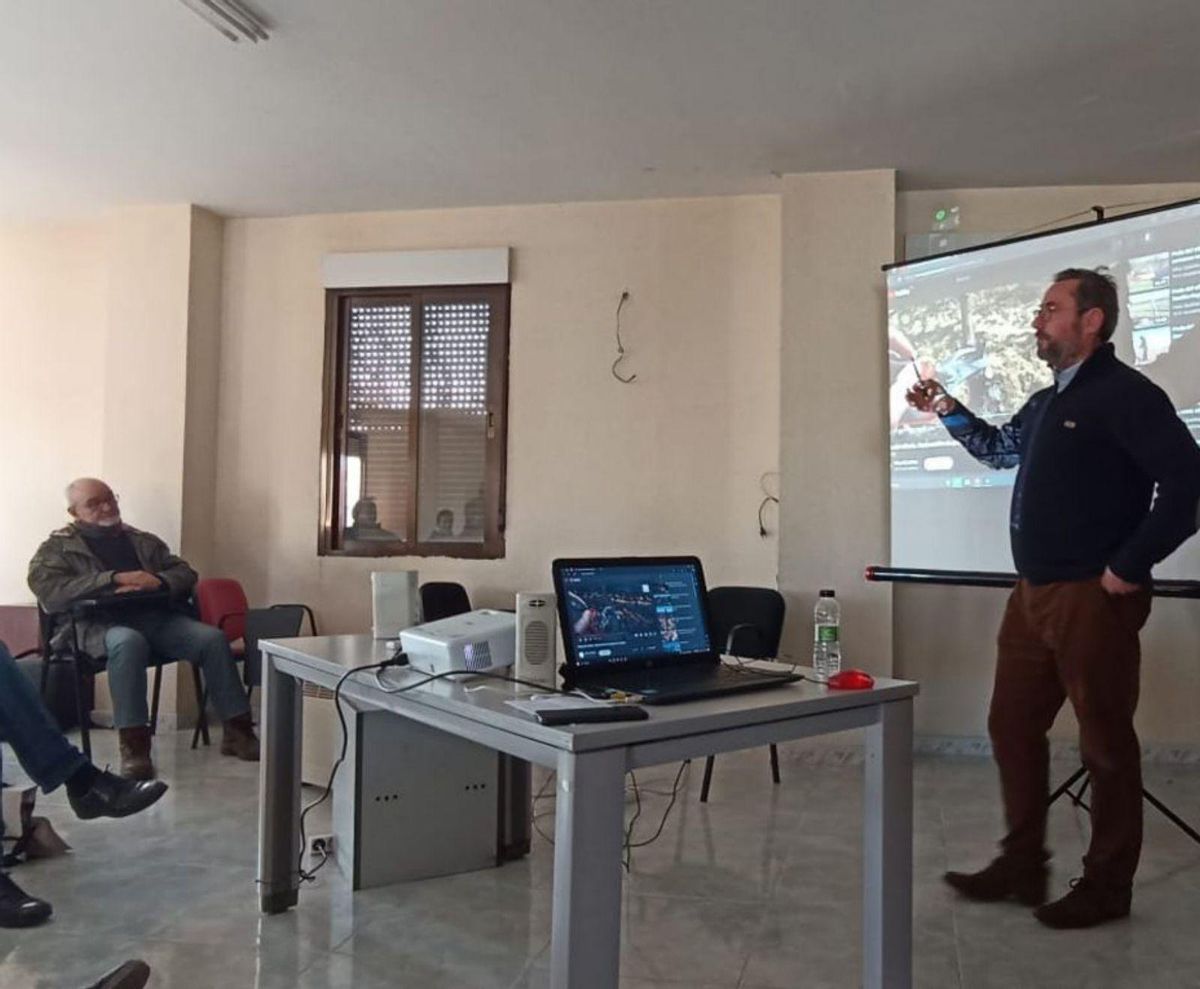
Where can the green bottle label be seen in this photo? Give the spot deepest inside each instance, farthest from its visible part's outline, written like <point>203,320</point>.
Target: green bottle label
<point>827,633</point>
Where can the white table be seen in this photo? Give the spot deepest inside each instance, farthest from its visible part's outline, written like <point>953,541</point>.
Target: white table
<point>591,762</point>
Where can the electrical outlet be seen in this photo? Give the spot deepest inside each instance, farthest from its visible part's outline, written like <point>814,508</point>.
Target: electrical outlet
<point>321,846</point>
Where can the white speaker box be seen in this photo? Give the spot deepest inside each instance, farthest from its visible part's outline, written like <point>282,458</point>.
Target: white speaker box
<point>394,602</point>
<point>537,633</point>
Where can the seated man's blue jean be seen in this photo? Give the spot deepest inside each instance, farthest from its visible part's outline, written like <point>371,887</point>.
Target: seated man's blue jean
<point>45,754</point>
<point>129,647</point>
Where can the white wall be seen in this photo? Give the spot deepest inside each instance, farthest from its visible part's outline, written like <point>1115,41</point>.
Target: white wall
<point>95,339</point>
<point>53,294</point>
<point>199,478</point>
<point>669,464</point>
<point>148,258</point>
<point>838,229</point>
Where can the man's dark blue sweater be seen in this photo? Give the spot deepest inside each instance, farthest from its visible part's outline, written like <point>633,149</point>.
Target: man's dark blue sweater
<point>1089,458</point>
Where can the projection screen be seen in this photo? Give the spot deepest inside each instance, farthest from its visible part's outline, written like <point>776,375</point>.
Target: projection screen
<point>965,318</point>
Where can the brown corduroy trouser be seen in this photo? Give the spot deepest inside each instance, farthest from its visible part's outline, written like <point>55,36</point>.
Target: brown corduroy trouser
<point>1071,640</point>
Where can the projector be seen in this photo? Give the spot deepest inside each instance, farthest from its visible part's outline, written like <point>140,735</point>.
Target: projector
<point>474,642</point>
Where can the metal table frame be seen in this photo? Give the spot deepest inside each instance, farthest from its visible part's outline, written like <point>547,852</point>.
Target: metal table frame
<point>591,762</point>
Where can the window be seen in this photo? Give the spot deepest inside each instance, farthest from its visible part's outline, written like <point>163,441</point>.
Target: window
<point>413,431</point>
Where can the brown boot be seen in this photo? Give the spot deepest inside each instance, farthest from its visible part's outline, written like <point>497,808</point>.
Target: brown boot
<point>135,753</point>
<point>239,738</point>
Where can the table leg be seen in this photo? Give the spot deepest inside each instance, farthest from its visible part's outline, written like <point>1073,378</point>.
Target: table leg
<point>585,944</point>
<point>888,849</point>
<point>279,790</point>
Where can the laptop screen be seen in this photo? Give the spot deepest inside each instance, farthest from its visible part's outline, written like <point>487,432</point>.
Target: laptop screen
<point>632,611</point>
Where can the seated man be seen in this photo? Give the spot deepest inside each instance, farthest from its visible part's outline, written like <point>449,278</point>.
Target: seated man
<point>50,760</point>
<point>97,554</point>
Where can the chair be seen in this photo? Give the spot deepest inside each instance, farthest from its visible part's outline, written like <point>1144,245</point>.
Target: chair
<point>85,668</point>
<point>278,621</point>
<point>221,602</point>
<point>19,629</point>
<point>746,622</point>
<point>443,599</point>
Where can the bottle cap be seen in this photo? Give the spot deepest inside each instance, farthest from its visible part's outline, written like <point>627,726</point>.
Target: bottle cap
<point>827,592</point>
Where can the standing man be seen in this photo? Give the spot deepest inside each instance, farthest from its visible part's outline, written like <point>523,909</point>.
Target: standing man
<point>98,555</point>
<point>1091,452</point>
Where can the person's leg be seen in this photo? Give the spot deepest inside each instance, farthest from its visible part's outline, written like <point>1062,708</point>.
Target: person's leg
<point>50,760</point>
<point>39,744</point>
<point>128,654</point>
<point>1100,660</point>
<point>1026,695</point>
<point>207,647</point>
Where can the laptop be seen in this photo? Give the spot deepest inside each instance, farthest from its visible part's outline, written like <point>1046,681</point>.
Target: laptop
<point>639,626</point>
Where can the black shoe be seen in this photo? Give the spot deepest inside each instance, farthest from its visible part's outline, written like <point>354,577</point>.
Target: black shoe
<point>1002,880</point>
<point>114,796</point>
<point>18,908</point>
<point>1087,904</point>
<point>132,975</point>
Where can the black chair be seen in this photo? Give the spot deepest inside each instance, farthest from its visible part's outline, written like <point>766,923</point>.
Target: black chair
<point>746,622</point>
<point>85,667</point>
<point>278,621</point>
<point>443,599</point>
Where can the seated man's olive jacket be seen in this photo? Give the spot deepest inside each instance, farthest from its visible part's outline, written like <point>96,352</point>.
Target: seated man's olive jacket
<point>64,569</point>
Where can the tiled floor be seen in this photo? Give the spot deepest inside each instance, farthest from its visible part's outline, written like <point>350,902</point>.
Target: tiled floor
<point>759,889</point>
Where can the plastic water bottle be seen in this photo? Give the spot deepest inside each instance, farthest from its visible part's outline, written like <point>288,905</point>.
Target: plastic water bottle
<point>827,645</point>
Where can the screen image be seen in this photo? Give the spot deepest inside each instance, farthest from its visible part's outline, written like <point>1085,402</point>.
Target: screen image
<point>966,319</point>
<point>620,614</point>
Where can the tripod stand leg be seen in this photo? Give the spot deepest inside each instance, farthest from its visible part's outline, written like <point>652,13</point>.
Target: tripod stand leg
<point>1170,815</point>
<point>1066,787</point>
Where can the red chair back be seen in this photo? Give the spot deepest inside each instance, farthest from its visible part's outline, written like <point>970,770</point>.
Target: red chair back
<point>222,603</point>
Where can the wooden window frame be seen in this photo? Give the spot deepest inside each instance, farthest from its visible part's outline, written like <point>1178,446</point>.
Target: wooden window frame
<point>334,419</point>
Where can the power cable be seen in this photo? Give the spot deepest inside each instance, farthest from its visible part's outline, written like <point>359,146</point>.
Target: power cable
<point>620,346</point>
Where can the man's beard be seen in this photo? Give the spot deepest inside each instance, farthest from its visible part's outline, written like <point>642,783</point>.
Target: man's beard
<point>108,525</point>
<point>1050,351</point>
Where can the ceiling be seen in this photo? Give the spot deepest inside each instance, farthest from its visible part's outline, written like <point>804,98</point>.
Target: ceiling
<point>378,104</point>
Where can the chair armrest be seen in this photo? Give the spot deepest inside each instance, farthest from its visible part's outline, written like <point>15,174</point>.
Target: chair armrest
<point>312,619</point>
<point>229,616</point>
<point>80,607</point>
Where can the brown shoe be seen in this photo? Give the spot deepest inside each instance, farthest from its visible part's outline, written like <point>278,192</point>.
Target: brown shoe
<point>135,753</point>
<point>239,739</point>
<point>1087,904</point>
<point>1002,880</point>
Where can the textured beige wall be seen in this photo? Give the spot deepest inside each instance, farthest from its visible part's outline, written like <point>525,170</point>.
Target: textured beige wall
<point>838,229</point>
<point>97,336</point>
<point>670,464</point>
<point>945,636</point>
<point>53,294</point>
<point>202,388</point>
<point>145,376</point>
